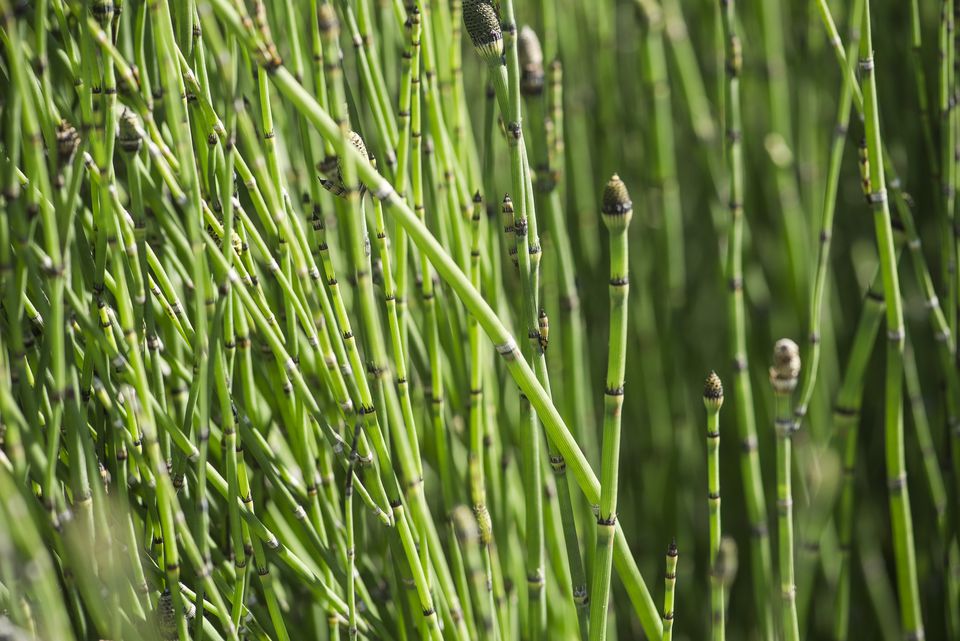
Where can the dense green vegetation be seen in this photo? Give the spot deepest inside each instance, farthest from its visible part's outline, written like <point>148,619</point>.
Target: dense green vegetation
<point>391,320</point>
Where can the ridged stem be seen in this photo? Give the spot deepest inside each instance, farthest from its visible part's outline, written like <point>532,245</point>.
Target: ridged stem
<point>669,589</point>
<point>761,564</point>
<point>613,406</point>
<point>900,515</point>
<point>503,341</point>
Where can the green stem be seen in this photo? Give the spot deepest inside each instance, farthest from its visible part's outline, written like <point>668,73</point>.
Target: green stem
<point>900,516</point>
<point>761,565</point>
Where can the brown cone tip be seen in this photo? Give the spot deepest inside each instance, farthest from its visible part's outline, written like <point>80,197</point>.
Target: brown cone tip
<point>616,199</point>
<point>531,62</point>
<point>483,25</point>
<point>507,203</point>
<point>713,388</point>
<point>327,19</point>
<point>786,360</point>
<point>129,134</point>
<point>528,48</point>
<point>67,141</point>
<point>672,549</point>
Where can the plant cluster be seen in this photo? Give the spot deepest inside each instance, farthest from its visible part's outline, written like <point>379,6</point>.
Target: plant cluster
<point>305,309</point>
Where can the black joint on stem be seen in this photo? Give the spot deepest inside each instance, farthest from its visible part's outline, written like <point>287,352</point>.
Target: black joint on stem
<point>897,484</point>
<point>614,391</point>
<point>810,546</point>
<point>843,410</point>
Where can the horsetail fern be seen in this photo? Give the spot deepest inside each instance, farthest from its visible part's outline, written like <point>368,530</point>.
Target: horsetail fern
<point>783,378</point>
<point>743,391</point>
<point>900,515</point>
<point>267,370</point>
<point>713,401</point>
<point>670,584</point>
<point>617,211</point>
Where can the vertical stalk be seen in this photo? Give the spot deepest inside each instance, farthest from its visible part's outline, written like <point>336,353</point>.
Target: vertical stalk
<point>779,145</point>
<point>665,162</point>
<point>712,401</point>
<point>450,272</point>
<point>783,379</point>
<point>743,393</point>
<point>532,82</point>
<point>900,516</point>
<point>617,210</point>
<point>670,585</point>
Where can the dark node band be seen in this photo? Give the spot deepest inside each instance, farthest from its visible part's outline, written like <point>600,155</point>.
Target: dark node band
<point>897,483</point>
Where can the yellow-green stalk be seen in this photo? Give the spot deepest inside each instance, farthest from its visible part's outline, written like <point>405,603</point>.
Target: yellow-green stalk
<point>712,401</point>
<point>783,378</point>
<point>617,211</point>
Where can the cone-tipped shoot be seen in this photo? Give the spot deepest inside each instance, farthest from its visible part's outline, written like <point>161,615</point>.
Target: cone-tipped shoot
<point>786,366</point>
<point>483,26</point>
<point>616,207</point>
<point>128,136</point>
<point>67,141</point>
<point>713,393</point>
<point>531,62</point>
<point>670,581</point>
<point>712,400</point>
<point>783,379</point>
